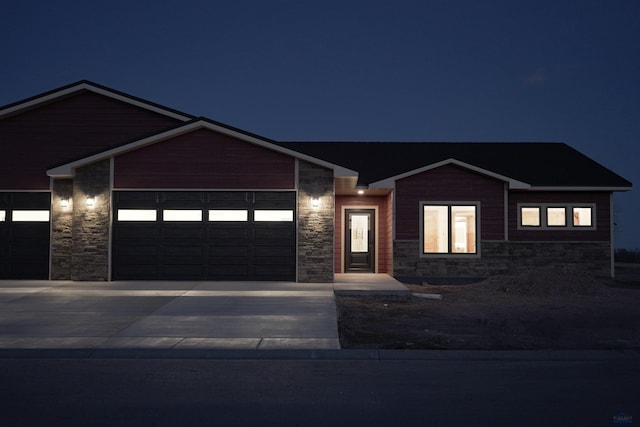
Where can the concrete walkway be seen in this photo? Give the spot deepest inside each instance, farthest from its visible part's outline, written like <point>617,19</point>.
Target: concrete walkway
<point>367,284</point>
<point>167,315</point>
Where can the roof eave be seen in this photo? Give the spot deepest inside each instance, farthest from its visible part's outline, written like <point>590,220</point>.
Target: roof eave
<point>579,188</point>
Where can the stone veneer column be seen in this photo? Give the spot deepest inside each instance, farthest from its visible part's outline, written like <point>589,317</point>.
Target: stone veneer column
<point>315,225</point>
<point>61,229</point>
<point>90,252</point>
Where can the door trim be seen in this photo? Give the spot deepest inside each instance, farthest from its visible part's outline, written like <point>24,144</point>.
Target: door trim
<point>343,243</point>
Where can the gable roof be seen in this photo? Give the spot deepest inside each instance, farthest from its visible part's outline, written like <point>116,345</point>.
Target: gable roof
<point>86,85</point>
<point>67,170</point>
<point>537,165</point>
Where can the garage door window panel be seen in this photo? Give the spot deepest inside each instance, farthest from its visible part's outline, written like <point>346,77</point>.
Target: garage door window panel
<point>139,215</point>
<point>182,215</point>
<point>273,215</point>
<point>30,216</point>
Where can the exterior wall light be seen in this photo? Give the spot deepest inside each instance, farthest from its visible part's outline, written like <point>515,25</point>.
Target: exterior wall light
<point>64,202</point>
<point>315,202</point>
<point>361,192</point>
<point>91,201</point>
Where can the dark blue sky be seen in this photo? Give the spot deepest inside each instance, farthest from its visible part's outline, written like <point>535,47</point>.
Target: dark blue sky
<point>357,70</point>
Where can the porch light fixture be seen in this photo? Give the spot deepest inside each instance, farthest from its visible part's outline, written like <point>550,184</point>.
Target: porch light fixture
<point>91,201</point>
<point>361,192</point>
<point>64,202</point>
<point>315,202</point>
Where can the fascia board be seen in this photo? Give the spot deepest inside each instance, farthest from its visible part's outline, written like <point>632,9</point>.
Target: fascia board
<point>101,91</point>
<point>68,170</point>
<point>390,182</point>
<point>608,189</point>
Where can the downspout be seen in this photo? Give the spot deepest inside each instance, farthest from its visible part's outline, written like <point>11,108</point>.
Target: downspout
<point>611,237</point>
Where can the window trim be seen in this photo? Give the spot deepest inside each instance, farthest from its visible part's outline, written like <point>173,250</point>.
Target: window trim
<point>544,225</point>
<point>449,204</point>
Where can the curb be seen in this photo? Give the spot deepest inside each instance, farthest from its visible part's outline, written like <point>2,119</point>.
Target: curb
<point>374,354</point>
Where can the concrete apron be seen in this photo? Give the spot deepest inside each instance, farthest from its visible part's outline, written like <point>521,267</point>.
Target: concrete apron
<point>167,315</point>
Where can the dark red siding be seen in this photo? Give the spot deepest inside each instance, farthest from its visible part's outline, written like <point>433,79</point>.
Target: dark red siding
<point>603,225</point>
<point>65,130</point>
<point>204,159</point>
<point>385,227</point>
<point>449,183</point>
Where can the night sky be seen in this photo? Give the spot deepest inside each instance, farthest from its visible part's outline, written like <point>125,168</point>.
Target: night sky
<point>357,70</point>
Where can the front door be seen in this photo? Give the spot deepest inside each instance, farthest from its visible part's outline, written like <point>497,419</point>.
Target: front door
<point>359,240</point>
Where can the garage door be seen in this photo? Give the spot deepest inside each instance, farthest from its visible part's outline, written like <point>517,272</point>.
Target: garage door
<point>204,235</point>
<point>24,235</point>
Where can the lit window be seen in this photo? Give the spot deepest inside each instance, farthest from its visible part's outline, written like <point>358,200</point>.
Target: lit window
<point>556,217</point>
<point>182,215</point>
<point>30,216</point>
<point>3,216</point>
<point>228,215</point>
<point>273,215</point>
<point>449,229</point>
<point>530,217</point>
<point>137,215</point>
<point>582,217</point>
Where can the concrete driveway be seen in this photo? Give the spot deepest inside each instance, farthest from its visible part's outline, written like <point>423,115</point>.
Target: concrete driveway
<point>167,315</point>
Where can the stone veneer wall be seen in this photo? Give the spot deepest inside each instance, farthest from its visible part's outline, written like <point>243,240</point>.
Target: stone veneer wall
<point>315,225</point>
<point>90,251</point>
<point>61,230</point>
<point>505,258</point>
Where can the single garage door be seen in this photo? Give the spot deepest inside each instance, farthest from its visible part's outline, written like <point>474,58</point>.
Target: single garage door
<point>24,235</point>
<point>190,235</point>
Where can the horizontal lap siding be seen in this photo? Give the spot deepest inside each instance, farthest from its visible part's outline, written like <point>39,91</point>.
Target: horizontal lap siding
<point>449,183</point>
<point>204,159</point>
<point>67,130</point>
<point>603,225</point>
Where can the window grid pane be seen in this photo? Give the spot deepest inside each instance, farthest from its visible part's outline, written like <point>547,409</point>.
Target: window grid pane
<point>436,229</point>
<point>582,217</point>
<point>463,232</point>
<point>556,217</point>
<point>530,217</point>
<point>3,216</point>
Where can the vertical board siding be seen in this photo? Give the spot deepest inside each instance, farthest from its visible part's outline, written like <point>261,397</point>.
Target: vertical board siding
<point>384,223</point>
<point>602,231</point>
<point>449,183</point>
<point>204,159</point>
<point>65,130</point>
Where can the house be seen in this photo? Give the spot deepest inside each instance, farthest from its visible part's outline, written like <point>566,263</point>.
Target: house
<point>96,184</point>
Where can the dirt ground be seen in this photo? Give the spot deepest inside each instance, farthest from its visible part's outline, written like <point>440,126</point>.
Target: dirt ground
<point>541,309</point>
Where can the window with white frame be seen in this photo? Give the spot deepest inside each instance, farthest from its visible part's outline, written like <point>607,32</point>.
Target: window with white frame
<point>3,216</point>
<point>449,228</point>
<point>556,216</point>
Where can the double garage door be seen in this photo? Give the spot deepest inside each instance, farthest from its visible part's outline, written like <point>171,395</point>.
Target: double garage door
<point>191,235</point>
<point>24,235</point>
